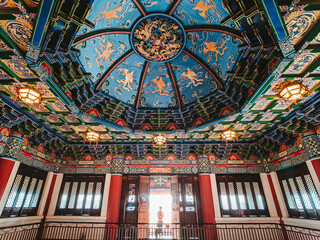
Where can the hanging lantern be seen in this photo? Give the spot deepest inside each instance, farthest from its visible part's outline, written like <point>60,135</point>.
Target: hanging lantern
<point>160,139</point>
<point>92,136</point>
<point>29,95</point>
<point>292,91</point>
<point>229,135</point>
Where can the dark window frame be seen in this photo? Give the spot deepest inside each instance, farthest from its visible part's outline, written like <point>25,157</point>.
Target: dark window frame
<point>83,211</point>
<point>26,172</point>
<point>247,212</point>
<point>301,171</point>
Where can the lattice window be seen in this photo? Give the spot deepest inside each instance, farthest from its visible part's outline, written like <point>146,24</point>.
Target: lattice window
<point>223,196</point>
<point>64,197</point>
<point>313,191</point>
<point>302,199</point>
<point>241,195</point>
<point>288,194</point>
<point>89,196</point>
<point>25,192</point>
<point>80,195</point>
<point>97,196</point>
<point>241,198</point>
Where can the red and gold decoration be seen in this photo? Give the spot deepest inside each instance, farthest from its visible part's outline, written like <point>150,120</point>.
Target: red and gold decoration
<point>229,135</point>
<point>292,91</point>
<point>92,136</point>
<point>29,95</point>
<point>159,139</point>
<point>158,38</point>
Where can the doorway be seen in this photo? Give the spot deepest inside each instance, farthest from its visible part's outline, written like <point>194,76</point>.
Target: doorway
<point>159,199</point>
<point>178,195</point>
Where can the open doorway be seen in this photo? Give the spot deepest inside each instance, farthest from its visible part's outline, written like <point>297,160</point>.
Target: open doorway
<point>163,200</point>
<point>160,195</point>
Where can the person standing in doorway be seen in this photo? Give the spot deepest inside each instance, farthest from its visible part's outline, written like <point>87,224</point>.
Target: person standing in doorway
<point>160,221</point>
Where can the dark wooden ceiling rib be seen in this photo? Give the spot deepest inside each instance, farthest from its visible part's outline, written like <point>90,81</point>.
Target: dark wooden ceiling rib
<point>140,7</point>
<point>174,83</point>
<point>173,7</point>
<point>113,66</point>
<point>143,76</point>
<point>98,33</point>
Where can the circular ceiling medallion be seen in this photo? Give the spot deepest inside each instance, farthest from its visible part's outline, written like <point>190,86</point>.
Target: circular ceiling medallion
<point>158,38</point>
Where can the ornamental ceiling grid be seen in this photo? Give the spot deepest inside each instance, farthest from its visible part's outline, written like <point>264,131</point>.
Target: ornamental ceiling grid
<point>249,123</point>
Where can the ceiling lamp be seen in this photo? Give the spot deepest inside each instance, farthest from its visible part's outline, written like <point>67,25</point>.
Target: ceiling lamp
<point>292,91</point>
<point>160,139</point>
<point>92,136</point>
<point>229,135</point>
<point>29,95</point>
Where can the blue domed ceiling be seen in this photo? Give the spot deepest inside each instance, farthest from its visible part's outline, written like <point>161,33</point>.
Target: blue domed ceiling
<point>153,55</point>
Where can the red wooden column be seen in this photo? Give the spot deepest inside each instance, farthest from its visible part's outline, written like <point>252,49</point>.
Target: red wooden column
<point>206,199</point>
<point>207,207</point>
<point>114,198</point>
<point>316,167</point>
<point>6,167</point>
<point>7,161</point>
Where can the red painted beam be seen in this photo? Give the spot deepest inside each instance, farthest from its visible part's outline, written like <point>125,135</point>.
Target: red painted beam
<point>174,7</point>
<point>91,35</point>
<point>143,76</point>
<point>140,7</point>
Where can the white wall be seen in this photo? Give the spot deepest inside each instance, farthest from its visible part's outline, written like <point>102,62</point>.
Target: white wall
<point>45,193</point>
<point>55,194</point>
<point>105,197</point>
<point>268,195</point>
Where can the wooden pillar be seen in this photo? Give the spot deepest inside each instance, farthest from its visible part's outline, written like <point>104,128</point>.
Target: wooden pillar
<point>277,206</point>
<point>9,166</point>
<point>114,198</point>
<point>208,215</point>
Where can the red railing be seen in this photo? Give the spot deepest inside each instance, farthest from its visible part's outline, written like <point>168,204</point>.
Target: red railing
<point>97,231</point>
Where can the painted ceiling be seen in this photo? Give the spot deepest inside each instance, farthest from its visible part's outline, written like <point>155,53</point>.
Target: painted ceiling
<point>130,69</point>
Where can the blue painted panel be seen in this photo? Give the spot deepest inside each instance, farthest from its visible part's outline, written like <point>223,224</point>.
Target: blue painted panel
<point>276,19</point>
<point>112,14</point>
<point>98,54</point>
<point>218,50</point>
<point>156,6</point>
<point>192,79</point>
<point>43,17</point>
<point>124,80</point>
<point>200,12</point>
<point>158,90</point>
